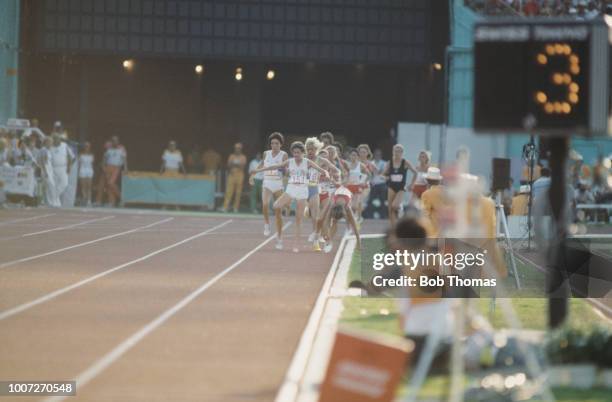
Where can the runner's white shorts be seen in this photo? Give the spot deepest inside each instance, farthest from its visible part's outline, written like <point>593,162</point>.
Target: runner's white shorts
<point>273,185</point>
<point>85,173</point>
<point>297,191</point>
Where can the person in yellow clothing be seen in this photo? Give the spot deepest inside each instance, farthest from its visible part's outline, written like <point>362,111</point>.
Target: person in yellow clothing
<point>520,202</point>
<point>432,200</point>
<point>236,163</point>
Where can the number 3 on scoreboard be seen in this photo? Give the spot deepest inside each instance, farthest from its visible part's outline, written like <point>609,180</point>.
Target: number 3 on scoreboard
<point>565,65</point>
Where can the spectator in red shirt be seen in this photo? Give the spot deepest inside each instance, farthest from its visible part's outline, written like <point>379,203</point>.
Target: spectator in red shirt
<point>531,8</point>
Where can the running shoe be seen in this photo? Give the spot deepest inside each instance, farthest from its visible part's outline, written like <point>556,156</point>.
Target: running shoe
<point>312,237</point>
<point>279,245</point>
<point>296,250</point>
<point>316,246</point>
<point>328,247</point>
<point>266,230</point>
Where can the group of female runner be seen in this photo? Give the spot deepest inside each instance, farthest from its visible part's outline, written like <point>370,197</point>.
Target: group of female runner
<point>327,186</point>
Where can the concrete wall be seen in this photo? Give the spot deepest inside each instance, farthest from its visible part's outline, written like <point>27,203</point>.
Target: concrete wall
<point>417,136</point>
<point>9,58</point>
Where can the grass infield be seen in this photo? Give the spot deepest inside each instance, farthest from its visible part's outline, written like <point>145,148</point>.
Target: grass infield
<point>382,315</point>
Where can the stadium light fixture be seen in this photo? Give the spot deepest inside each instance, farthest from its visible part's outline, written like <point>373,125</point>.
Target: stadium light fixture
<point>128,64</point>
<point>437,66</point>
<point>199,69</point>
<point>238,75</point>
<point>270,75</point>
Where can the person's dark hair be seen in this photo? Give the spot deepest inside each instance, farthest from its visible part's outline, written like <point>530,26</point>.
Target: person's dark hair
<point>337,212</point>
<point>327,135</point>
<point>276,136</point>
<point>407,229</point>
<point>545,172</point>
<point>299,145</point>
<point>338,147</point>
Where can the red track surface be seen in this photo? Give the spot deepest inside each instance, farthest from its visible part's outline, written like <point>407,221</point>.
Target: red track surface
<point>233,342</point>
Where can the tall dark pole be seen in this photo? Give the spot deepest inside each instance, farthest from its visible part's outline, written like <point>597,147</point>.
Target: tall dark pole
<point>557,286</point>
<point>531,161</point>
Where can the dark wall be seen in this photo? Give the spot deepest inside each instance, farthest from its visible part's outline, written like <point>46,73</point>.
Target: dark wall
<point>160,99</point>
<point>348,31</point>
<point>163,98</point>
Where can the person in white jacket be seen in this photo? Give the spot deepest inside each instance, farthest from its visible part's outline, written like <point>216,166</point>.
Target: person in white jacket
<point>61,160</point>
<point>46,164</point>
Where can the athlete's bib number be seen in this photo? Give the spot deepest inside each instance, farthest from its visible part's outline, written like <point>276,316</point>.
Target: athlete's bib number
<point>397,178</point>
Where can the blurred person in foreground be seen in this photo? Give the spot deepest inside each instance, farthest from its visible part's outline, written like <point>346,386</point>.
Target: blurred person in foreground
<point>234,181</point>
<point>256,183</point>
<point>172,161</point>
<point>432,199</point>
<point>115,163</point>
<point>422,309</point>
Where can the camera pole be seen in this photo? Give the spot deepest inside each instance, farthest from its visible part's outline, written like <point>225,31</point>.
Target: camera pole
<point>532,156</point>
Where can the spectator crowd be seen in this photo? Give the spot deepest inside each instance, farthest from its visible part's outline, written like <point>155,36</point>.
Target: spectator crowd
<point>585,9</point>
<point>63,166</point>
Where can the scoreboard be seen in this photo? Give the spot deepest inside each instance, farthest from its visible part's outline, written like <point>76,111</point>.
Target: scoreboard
<point>550,76</point>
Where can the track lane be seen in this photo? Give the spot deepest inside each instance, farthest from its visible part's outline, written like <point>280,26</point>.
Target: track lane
<point>31,280</point>
<point>92,319</point>
<point>233,343</point>
<point>19,251</point>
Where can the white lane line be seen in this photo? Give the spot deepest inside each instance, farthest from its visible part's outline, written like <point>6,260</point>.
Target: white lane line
<point>61,250</point>
<point>289,389</point>
<point>108,359</point>
<point>74,225</point>
<point>25,306</point>
<point>31,218</point>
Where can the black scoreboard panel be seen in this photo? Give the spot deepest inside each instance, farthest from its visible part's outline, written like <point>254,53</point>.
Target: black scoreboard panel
<point>549,76</point>
<point>368,31</point>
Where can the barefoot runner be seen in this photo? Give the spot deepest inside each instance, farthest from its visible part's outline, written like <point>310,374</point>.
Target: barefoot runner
<point>315,184</point>
<point>341,208</point>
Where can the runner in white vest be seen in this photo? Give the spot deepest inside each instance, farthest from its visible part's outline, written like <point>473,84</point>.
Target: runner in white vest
<point>297,189</point>
<point>272,186</point>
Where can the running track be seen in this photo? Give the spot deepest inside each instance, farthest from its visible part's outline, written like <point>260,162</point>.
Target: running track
<point>151,307</point>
